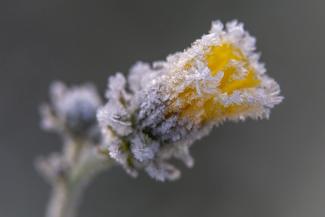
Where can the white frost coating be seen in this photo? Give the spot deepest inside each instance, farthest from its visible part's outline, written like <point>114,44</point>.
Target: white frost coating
<point>65,100</point>
<point>144,149</point>
<point>143,121</point>
<point>162,171</point>
<point>72,110</point>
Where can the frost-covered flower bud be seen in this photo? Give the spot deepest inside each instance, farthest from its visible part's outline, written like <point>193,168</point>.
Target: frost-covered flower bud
<point>72,111</point>
<point>162,109</point>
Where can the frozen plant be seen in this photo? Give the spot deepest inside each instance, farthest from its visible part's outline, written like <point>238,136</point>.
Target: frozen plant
<point>159,110</point>
<point>72,114</point>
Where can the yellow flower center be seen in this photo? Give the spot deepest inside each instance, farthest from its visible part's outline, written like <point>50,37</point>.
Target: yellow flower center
<point>204,107</point>
<point>219,59</point>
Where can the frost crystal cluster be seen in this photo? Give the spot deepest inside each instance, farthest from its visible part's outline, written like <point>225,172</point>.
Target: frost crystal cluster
<point>159,110</point>
<point>72,111</point>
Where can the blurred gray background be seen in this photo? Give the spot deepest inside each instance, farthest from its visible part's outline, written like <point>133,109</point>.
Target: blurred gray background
<point>273,168</point>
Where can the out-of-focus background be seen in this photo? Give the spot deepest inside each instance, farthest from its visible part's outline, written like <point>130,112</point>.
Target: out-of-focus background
<point>273,168</point>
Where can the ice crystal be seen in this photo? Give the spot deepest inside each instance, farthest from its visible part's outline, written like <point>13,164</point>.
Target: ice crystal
<point>159,110</point>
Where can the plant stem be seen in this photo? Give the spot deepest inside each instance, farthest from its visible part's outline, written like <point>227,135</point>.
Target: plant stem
<point>83,164</point>
<point>64,200</point>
